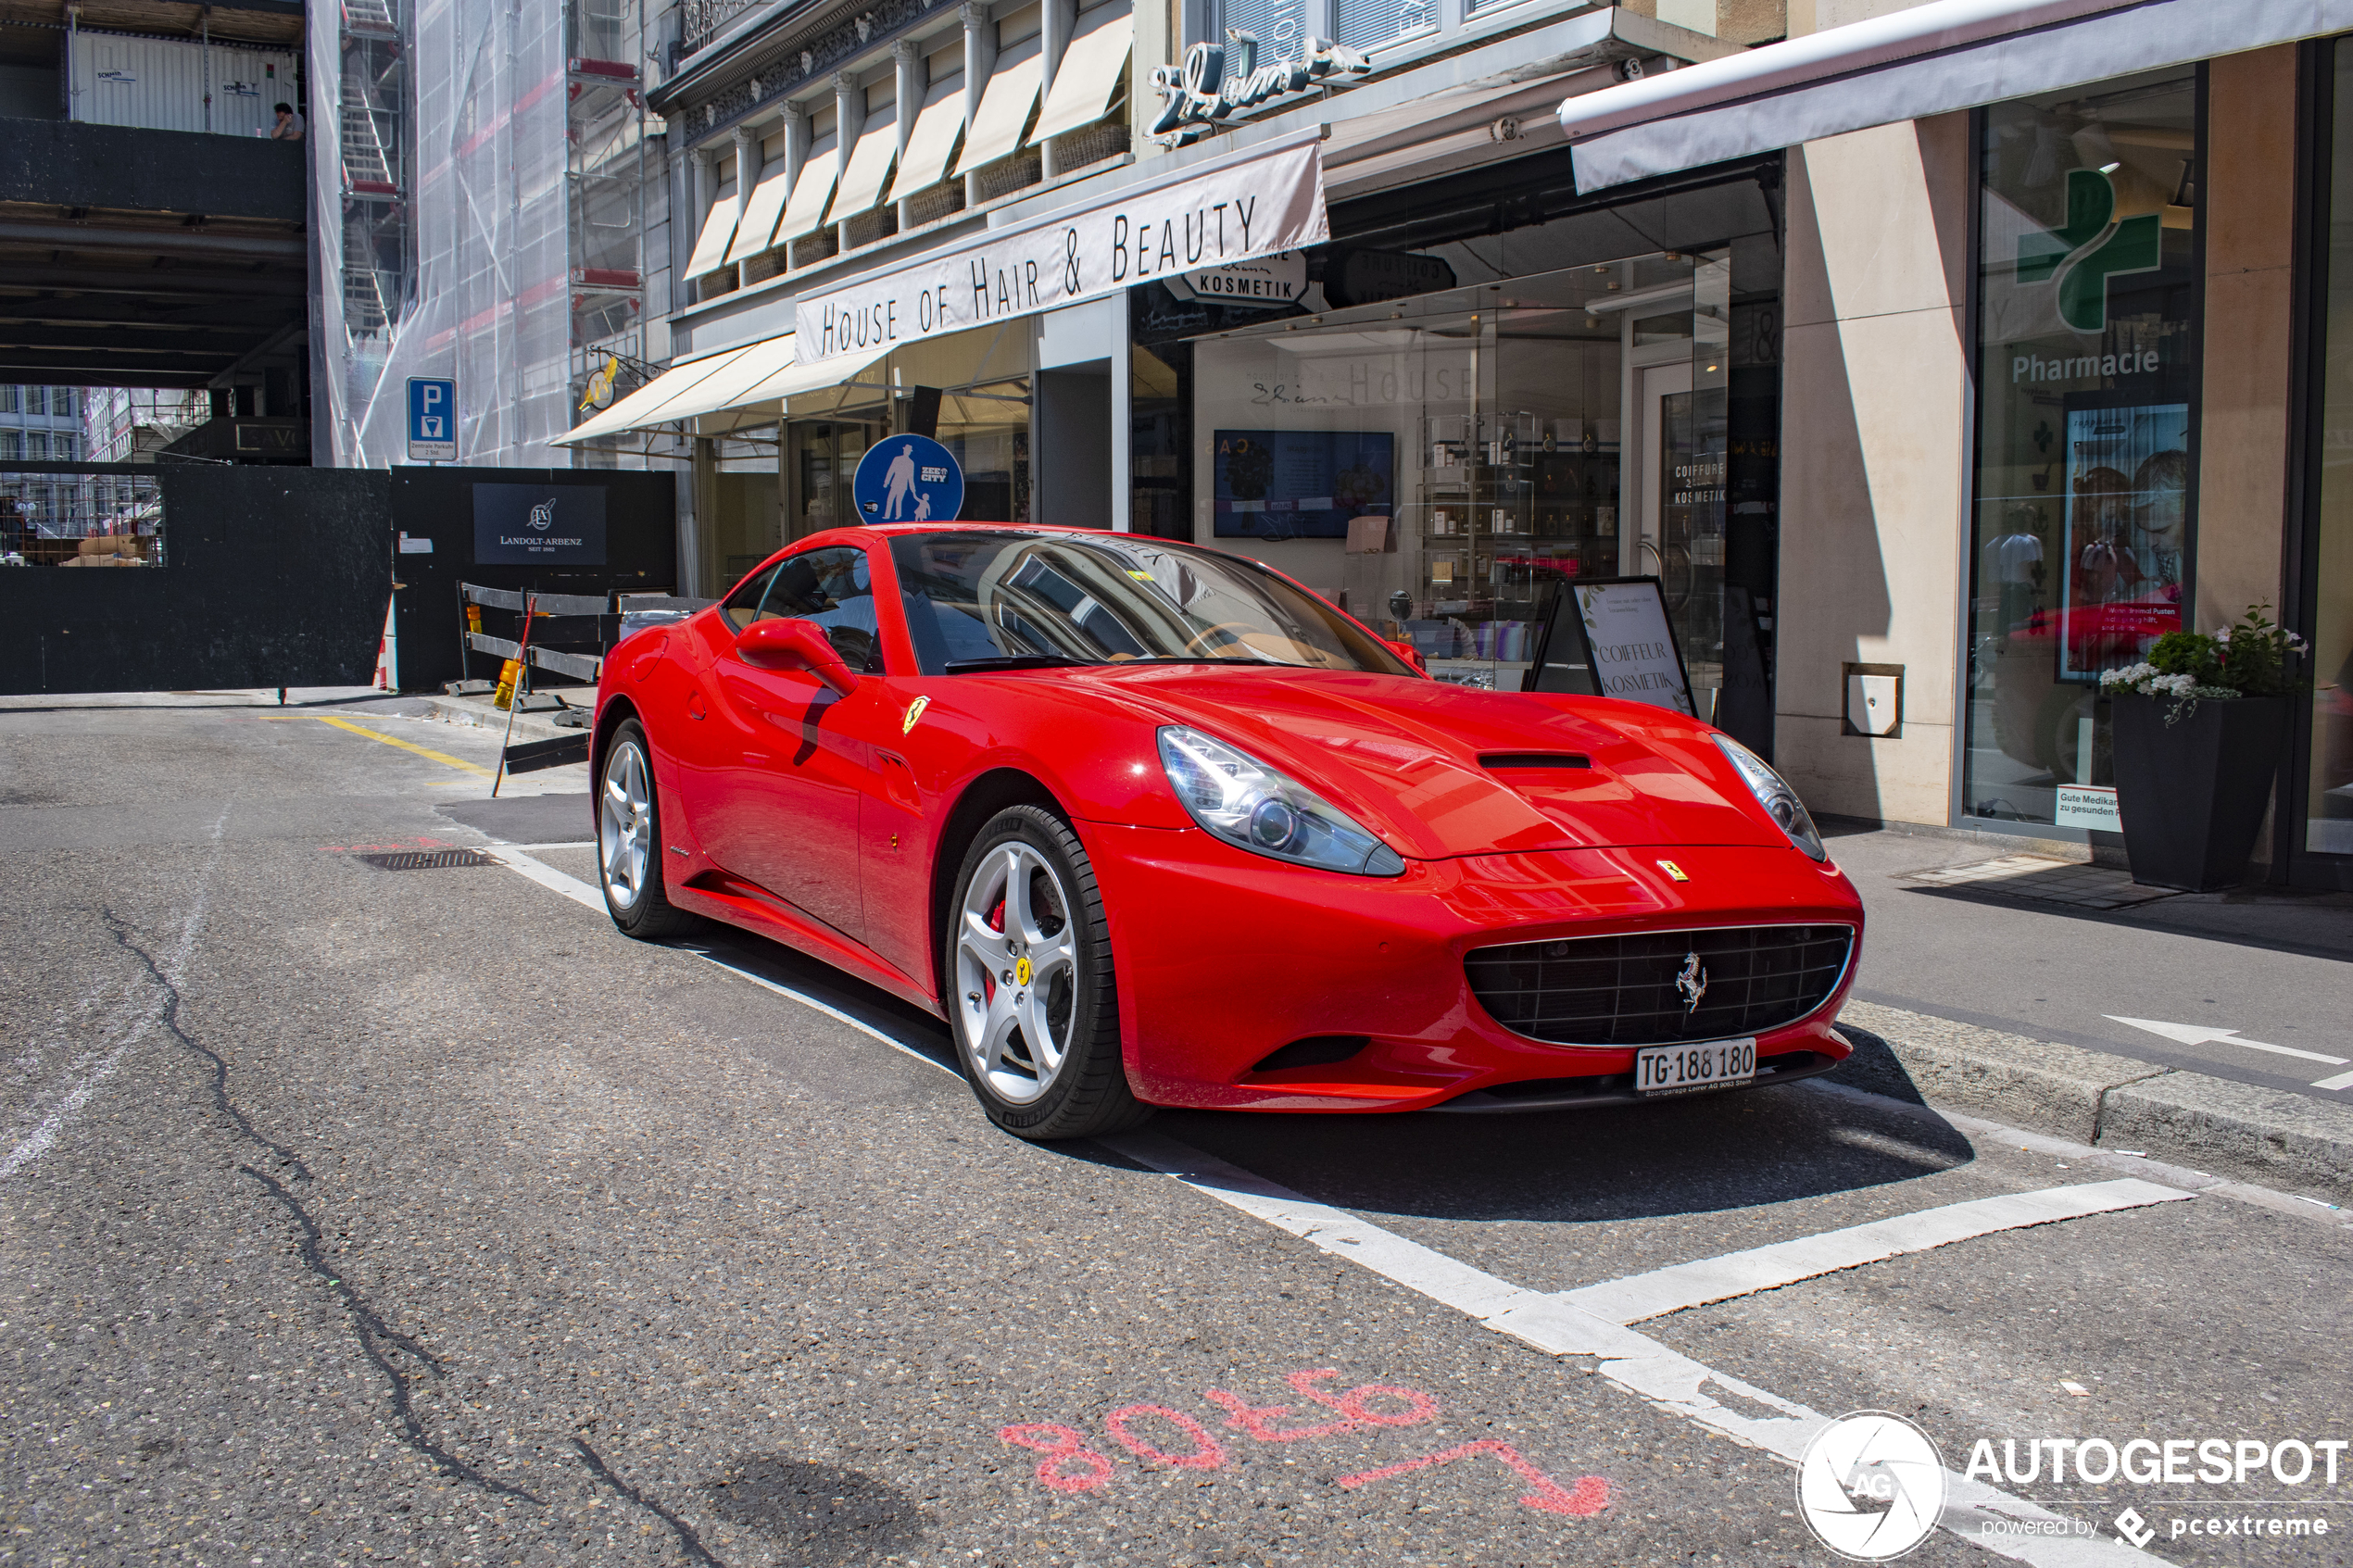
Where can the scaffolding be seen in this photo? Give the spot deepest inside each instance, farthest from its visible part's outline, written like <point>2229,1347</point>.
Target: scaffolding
<point>492,165</point>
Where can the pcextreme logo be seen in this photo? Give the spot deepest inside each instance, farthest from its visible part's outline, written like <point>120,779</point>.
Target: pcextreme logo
<point>2089,250</point>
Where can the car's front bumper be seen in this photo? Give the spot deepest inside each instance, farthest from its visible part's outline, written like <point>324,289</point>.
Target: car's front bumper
<point>1224,957</point>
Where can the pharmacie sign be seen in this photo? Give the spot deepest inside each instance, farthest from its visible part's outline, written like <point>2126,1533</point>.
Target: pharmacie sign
<point>1254,203</point>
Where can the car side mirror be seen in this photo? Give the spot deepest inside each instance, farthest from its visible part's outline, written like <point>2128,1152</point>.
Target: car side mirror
<point>1409,653</point>
<point>789,642</point>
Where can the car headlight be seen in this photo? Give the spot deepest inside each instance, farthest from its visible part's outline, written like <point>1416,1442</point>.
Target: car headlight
<point>1250,806</point>
<point>1773,793</point>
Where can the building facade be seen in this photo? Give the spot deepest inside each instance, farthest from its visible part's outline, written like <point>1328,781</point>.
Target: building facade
<point>1923,408</point>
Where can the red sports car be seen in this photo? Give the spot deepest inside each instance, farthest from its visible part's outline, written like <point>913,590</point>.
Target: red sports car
<point>1154,825</point>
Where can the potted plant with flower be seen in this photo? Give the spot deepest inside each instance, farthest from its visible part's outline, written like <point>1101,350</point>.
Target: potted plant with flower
<point>2199,728</point>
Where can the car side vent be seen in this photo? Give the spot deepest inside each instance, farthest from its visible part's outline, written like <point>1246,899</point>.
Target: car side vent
<point>1505,761</point>
<point>1315,1050</point>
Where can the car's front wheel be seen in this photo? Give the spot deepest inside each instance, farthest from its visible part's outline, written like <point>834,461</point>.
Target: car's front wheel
<point>629,840</point>
<point>1033,1001</point>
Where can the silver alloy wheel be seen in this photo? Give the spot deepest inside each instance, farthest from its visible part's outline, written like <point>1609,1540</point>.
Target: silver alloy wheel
<point>625,825</point>
<point>1016,973</point>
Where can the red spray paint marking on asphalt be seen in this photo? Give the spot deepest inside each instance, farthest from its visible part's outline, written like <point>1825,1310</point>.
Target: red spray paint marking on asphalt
<point>1208,1453</point>
<point>1590,1497</point>
<point>1065,1445</point>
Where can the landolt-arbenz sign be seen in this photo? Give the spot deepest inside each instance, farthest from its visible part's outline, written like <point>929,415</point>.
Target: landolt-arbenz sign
<point>1254,203</point>
<point>1197,94</point>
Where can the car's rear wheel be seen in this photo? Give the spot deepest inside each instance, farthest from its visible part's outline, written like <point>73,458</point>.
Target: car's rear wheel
<point>1033,1001</point>
<point>629,840</point>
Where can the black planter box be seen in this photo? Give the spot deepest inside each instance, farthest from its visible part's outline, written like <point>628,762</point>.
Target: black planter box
<point>2193,793</point>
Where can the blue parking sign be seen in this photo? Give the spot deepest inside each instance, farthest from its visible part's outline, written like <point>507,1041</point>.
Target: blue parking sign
<point>907,479</point>
<point>432,420</point>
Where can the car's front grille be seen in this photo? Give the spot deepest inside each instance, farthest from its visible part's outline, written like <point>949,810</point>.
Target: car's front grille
<point>1636,989</point>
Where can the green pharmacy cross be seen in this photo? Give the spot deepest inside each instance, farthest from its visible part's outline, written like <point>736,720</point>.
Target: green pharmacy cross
<point>2086,252</point>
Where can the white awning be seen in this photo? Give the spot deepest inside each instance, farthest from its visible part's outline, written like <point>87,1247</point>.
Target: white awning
<point>1093,69</point>
<point>1004,110</point>
<point>753,380</point>
<point>933,142</point>
<point>809,194</point>
<point>869,170</point>
<point>642,406</point>
<point>1931,59</point>
<point>723,388</point>
<point>718,228</point>
<point>761,214</point>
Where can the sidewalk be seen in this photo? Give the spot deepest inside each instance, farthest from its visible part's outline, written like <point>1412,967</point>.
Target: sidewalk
<point>2205,1029</point>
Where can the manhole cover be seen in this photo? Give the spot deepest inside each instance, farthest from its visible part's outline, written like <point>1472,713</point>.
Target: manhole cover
<point>427,859</point>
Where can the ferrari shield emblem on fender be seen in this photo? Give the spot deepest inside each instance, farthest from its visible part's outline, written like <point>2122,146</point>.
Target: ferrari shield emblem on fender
<point>1671,869</point>
<point>914,711</point>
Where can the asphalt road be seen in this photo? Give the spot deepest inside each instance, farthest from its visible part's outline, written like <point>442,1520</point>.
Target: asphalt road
<point>350,1214</point>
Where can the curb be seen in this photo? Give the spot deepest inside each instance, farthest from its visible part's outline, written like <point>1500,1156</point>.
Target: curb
<point>2112,1102</point>
<point>476,713</point>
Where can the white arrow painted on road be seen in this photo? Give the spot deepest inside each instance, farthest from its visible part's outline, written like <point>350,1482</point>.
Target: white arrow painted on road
<point>2200,1035</point>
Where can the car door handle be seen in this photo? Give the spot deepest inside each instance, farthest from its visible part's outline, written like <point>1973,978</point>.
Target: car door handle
<point>694,706</point>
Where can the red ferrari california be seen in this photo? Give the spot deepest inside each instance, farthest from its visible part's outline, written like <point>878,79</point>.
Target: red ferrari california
<point>1152,826</point>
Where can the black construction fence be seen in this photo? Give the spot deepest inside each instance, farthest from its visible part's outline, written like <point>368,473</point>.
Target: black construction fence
<point>238,577</point>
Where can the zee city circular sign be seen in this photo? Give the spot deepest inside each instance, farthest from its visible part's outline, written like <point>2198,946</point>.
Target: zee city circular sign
<point>907,479</point>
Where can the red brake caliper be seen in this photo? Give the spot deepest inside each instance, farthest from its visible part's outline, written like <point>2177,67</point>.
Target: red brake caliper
<point>988,977</point>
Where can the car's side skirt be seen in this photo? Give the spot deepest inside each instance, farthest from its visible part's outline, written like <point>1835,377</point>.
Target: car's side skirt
<point>741,904</point>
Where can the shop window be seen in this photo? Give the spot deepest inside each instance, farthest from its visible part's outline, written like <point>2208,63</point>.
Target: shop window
<point>2083,508</point>
<point>2328,785</point>
<point>1368,24</point>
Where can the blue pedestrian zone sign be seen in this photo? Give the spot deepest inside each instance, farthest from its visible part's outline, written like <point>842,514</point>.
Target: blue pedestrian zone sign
<point>432,420</point>
<point>907,479</point>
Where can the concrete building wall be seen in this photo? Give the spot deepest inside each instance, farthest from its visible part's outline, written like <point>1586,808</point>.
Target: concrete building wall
<point>2249,204</point>
<point>1875,426</point>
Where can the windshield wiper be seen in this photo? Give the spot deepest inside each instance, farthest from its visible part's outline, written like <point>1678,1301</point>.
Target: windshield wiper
<point>1016,661</point>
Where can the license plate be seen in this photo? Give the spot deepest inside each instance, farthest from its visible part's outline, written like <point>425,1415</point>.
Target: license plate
<point>1674,1070</point>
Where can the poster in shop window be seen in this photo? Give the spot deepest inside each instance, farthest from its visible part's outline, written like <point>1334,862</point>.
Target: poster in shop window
<point>2127,506</point>
<point>1299,484</point>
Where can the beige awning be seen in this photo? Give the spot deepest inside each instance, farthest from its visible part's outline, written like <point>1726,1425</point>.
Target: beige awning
<point>718,228</point>
<point>1004,110</point>
<point>726,387</point>
<point>809,194</point>
<point>643,407</point>
<point>764,402</point>
<point>1093,70</point>
<point>933,142</point>
<point>869,170</point>
<point>761,213</point>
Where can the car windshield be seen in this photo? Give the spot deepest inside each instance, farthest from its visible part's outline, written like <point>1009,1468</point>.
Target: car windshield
<point>998,601</point>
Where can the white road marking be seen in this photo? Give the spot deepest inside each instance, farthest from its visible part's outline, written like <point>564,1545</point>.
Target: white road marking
<point>2200,1034</point>
<point>1669,1380</point>
<point>2342,1081</point>
<point>1631,1359</point>
<point>126,1030</point>
<point>580,892</point>
<point>548,877</point>
<point>1661,1291</point>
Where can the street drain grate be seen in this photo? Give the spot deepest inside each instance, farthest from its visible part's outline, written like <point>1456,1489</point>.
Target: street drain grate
<point>427,859</point>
